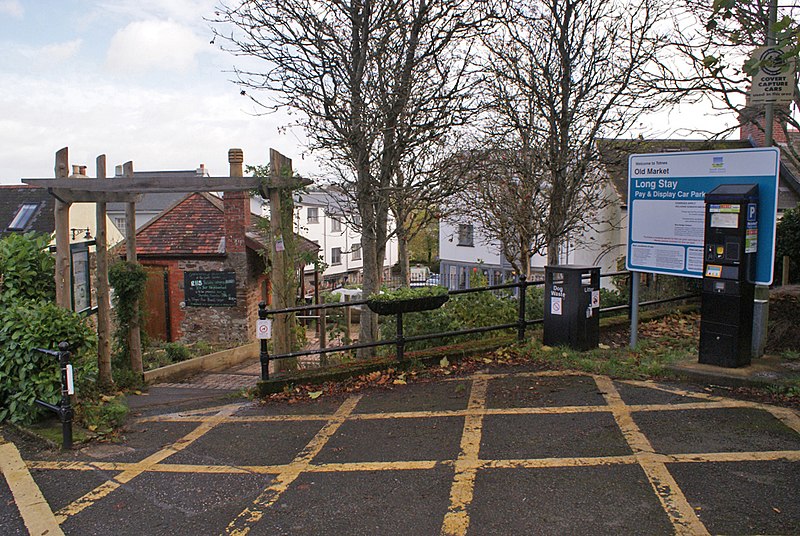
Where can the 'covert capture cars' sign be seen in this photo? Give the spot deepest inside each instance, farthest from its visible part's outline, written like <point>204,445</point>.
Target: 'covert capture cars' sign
<point>666,209</point>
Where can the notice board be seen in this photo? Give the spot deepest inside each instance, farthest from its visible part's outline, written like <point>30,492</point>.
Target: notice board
<point>209,289</point>
<point>666,207</point>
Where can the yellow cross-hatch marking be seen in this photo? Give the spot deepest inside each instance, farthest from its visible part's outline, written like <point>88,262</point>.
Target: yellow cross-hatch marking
<point>456,520</point>
<point>32,506</point>
<point>252,514</point>
<point>138,468</point>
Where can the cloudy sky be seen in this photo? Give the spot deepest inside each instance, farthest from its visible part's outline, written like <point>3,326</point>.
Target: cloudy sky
<point>135,80</point>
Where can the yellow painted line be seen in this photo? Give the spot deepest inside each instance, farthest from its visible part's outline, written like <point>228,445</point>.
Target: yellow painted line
<point>377,466</point>
<point>540,463</point>
<point>79,466</point>
<point>673,390</point>
<point>252,514</point>
<point>713,457</point>
<point>722,404</point>
<point>32,506</point>
<point>210,411</point>
<point>787,416</point>
<point>138,468</point>
<point>456,520</point>
<point>680,513</point>
<point>233,419</point>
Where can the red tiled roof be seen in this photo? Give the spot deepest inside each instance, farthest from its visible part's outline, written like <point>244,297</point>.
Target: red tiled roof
<point>194,226</point>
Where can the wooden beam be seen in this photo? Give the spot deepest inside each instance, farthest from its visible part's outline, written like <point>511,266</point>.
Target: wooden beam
<point>79,196</point>
<point>280,166</point>
<point>103,290</point>
<point>160,184</point>
<point>134,336</point>
<point>62,274</point>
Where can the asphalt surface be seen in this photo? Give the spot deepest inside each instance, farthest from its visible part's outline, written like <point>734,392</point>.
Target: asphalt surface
<point>489,454</point>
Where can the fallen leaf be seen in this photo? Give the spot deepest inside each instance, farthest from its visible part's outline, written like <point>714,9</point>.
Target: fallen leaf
<point>603,346</point>
<point>444,362</point>
<point>399,382</point>
<point>487,360</point>
<point>547,348</point>
<point>92,427</point>
<point>315,394</point>
<point>564,354</point>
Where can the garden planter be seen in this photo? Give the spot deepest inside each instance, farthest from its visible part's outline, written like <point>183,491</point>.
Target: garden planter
<point>409,305</point>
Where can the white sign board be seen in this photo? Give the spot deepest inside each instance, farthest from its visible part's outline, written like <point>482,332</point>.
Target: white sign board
<point>775,80</point>
<point>264,329</point>
<point>666,207</point>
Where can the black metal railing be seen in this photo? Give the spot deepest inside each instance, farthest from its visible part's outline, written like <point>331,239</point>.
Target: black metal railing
<point>64,408</point>
<point>516,290</point>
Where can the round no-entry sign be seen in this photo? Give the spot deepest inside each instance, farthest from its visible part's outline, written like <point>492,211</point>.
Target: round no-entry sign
<point>264,329</point>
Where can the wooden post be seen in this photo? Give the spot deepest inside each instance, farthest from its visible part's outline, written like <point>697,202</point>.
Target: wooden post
<point>785,271</point>
<point>103,291</point>
<point>62,275</point>
<point>281,331</point>
<point>134,335</point>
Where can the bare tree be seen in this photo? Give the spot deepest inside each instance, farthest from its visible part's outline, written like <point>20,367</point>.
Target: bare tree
<point>503,191</point>
<point>372,79</point>
<point>562,74</point>
<point>715,44</point>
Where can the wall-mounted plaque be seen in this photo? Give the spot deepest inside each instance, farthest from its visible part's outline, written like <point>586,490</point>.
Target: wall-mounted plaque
<point>209,289</point>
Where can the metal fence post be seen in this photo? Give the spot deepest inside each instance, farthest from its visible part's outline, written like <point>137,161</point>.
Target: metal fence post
<point>264,355</point>
<point>66,390</point>
<point>521,318</point>
<point>401,341</point>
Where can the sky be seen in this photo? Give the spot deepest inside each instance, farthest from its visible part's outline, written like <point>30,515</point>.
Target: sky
<point>139,80</point>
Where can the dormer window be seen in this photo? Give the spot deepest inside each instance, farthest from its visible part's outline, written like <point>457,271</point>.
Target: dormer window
<point>23,217</point>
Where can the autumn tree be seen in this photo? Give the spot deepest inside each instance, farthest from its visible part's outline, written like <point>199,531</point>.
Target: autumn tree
<point>562,74</point>
<point>372,81</point>
<point>715,43</point>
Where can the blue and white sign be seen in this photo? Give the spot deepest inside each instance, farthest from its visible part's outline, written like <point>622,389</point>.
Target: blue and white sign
<point>666,207</point>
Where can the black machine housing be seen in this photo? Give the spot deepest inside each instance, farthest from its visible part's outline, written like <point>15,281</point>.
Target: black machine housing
<point>729,260</point>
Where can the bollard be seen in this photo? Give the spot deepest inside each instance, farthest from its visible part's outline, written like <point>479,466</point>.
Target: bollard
<point>64,407</point>
<point>521,319</point>
<point>264,355</point>
<point>401,340</point>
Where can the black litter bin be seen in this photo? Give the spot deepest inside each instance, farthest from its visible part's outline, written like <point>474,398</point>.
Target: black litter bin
<point>572,306</point>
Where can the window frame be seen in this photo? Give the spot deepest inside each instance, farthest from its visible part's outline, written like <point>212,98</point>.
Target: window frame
<point>23,216</point>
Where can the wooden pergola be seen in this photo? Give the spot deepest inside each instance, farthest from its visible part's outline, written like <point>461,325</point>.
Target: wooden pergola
<point>130,189</point>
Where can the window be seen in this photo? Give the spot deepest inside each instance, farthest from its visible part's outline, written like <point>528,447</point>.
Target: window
<point>313,215</point>
<point>465,235</point>
<point>357,220</point>
<point>356,252</point>
<point>336,225</point>
<point>23,217</point>
<point>119,221</point>
<point>336,256</point>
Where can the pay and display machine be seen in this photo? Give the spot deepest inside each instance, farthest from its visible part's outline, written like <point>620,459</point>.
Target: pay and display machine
<point>729,259</point>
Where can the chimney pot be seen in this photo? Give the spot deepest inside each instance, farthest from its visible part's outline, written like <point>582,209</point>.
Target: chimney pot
<point>235,156</point>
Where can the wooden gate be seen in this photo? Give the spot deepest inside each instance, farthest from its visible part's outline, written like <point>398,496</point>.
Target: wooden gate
<point>156,304</point>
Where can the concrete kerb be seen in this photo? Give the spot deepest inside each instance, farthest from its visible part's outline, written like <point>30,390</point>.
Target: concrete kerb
<point>217,361</point>
<point>344,372</point>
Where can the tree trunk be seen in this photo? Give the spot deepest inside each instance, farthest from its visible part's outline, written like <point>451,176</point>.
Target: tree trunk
<point>403,258</point>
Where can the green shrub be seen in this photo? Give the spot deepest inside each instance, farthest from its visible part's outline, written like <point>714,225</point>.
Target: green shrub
<point>128,280</point>
<point>176,352</point>
<point>787,243</point>
<point>26,374</point>
<point>26,268</point>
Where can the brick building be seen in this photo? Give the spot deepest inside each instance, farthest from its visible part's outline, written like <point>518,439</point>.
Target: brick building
<point>206,273</point>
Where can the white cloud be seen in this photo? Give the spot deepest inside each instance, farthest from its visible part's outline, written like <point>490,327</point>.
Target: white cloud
<point>21,57</point>
<point>159,129</point>
<point>143,46</point>
<point>12,8</point>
